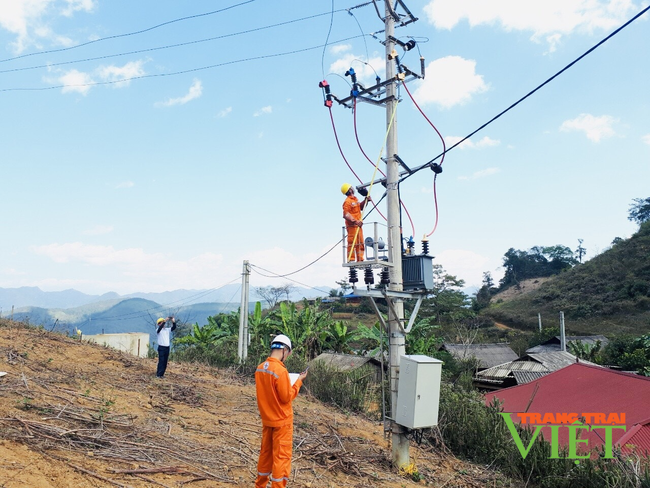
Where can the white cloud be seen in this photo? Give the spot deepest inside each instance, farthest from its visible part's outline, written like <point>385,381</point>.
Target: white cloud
<point>124,184</point>
<point>264,110</point>
<point>195,91</point>
<point>365,71</point>
<point>133,269</point>
<point>27,20</point>
<point>121,75</point>
<point>595,128</point>
<point>76,81</point>
<point>82,82</point>
<point>480,174</point>
<point>224,112</point>
<point>76,6</point>
<point>455,82</point>
<point>98,230</point>
<point>131,261</point>
<point>545,20</point>
<point>646,139</point>
<point>340,48</point>
<point>13,272</point>
<point>469,144</point>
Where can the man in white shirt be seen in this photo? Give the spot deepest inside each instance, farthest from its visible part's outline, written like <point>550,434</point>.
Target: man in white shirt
<point>163,334</point>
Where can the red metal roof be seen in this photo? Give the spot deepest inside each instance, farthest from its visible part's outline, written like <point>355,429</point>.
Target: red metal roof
<point>580,388</point>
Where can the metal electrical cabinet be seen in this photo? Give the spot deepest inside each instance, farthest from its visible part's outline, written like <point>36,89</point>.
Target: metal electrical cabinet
<point>418,392</point>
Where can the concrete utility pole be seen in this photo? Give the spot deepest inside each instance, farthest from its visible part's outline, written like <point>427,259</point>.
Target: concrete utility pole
<point>400,443</point>
<point>242,345</point>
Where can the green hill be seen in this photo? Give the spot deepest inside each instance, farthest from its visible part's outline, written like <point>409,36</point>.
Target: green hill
<point>609,294</point>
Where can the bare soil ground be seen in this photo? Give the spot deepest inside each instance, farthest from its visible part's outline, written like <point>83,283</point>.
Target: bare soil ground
<point>74,414</point>
<point>526,286</point>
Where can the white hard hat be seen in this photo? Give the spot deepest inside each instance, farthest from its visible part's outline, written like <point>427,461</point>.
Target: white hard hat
<point>281,339</point>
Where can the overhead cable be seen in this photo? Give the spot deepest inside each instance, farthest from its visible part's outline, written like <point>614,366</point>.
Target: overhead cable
<point>117,36</point>
<point>406,175</point>
<point>171,46</point>
<point>277,276</point>
<point>176,303</point>
<point>174,73</point>
<point>307,266</point>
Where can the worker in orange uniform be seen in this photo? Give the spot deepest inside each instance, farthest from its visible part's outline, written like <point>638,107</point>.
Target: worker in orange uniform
<point>353,221</point>
<point>274,396</point>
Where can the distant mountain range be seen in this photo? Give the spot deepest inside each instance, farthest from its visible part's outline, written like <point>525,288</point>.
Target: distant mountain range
<point>31,296</point>
<point>111,313</point>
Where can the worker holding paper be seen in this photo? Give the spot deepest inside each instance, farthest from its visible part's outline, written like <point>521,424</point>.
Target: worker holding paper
<point>274,396</point>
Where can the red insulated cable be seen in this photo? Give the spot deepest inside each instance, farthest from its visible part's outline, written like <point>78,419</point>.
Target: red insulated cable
<point>356,135</point>
<point>444,149</point>
<point>339,145</point>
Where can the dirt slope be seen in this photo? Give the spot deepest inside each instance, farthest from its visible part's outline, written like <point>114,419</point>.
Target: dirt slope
<point>80,415</point>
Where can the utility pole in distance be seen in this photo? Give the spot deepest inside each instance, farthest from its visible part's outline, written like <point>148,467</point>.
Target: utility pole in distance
<point>242,345</point>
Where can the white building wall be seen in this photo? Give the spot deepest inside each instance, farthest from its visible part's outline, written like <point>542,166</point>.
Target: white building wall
<point>132,342</point>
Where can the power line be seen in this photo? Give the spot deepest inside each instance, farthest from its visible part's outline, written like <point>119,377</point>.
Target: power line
<point>275,275</point>
<point>406,175</point>
<point>322,59</point>
<point>160,75</point>
<point>117,36</point>
<point>176,303</point>
<point>171,46</point>
<point>307,266</point>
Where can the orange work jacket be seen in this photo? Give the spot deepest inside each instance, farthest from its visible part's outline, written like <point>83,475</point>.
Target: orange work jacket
<point>275,393</point>
<point>351,206</point>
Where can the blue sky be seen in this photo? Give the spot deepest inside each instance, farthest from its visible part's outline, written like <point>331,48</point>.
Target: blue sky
<point>119,175</point>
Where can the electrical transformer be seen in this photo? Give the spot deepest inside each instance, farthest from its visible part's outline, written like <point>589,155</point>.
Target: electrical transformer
<point>417,272</point>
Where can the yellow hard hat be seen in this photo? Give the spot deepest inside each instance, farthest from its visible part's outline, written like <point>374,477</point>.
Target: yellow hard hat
<point>345,188</point>
<point>160,321</point>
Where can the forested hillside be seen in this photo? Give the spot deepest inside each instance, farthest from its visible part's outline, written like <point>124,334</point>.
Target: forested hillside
<point>609,294</point>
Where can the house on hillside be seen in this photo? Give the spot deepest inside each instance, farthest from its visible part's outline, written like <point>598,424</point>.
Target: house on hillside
<point>487,355</point>
<point>555,343</point>
<point>582,388</point>
<point>525,369</point>
<point>350,362</point>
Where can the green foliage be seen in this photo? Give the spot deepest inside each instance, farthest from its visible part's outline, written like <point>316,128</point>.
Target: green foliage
<point>354,391</point>
<point>307,327</point>
<point>629,353</point>
<point>339,337</point>
<point>422,338</point>
<point>589,352</point>
<point>372,339</point>
<point>448,303</point>
<point>537,262</point>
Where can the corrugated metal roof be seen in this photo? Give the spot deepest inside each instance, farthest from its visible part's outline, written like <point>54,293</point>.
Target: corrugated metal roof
<point>488,355</point>
<point>528,376</point>
<point>504,370</point>
<point>553,360</point>
<point>553,344</point>
<point>637,439</point>
<point>581,388</point>
<point>345,362</point>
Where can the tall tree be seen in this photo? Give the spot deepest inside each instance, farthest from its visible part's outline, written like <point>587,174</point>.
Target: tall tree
<point>273,294</point>
<point>639,210</point>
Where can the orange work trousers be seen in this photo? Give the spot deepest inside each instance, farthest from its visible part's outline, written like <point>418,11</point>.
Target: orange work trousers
<point>355,239</point>
<point>275,456</point>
